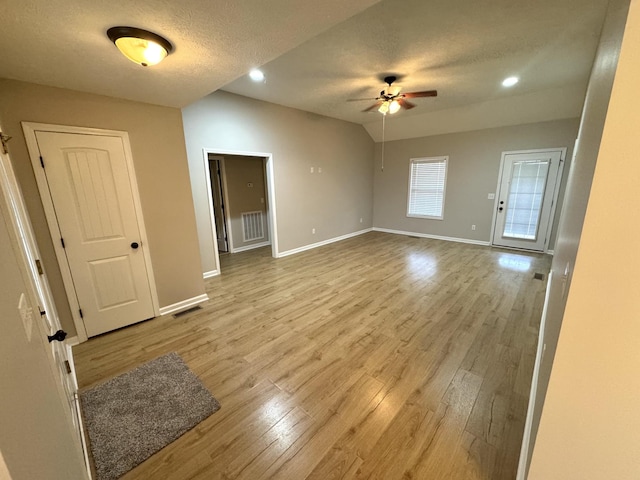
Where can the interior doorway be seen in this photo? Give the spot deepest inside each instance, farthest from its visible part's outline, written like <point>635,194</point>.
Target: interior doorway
<point>528,187</point>
<point>241,198</point>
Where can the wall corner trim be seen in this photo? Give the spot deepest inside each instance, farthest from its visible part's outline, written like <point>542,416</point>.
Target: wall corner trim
<point>184,304</point>
<point>211,273</point>
<point>324,242</point>
<point>434,237</point>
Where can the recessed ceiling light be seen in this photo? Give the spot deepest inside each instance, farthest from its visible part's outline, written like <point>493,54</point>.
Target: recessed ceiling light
<point>510,81</point>
<point>256,75</point>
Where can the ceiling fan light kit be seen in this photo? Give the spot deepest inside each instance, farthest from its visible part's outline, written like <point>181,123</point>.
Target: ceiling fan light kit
<point>392,101</point>
<point>140,46</point>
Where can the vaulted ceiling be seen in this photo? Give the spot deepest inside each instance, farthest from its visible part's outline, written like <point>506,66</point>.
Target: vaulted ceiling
<point>319,55</point>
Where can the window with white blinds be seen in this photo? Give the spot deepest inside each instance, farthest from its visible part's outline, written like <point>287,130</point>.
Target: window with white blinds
<point>427,181</point>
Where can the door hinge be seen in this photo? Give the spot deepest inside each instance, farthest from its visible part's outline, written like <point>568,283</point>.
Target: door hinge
<point>42,312</point>
<point>80,310</point>
<point>39,267</point>
<point>67,366</point>
<point>62,242</point>
<point>41,161</point>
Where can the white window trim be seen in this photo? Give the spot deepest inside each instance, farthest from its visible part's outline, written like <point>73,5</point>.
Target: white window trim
<point>444,159</point>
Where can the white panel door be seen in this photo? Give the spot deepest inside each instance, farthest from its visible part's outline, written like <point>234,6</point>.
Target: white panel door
<point>525,199</point>
<point>36,306</point>
<point>91,192</point>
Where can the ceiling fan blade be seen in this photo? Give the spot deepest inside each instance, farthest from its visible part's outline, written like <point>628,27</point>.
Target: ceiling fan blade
<point>372,107</point>
<point>426,93</point>
<point>361,99</point>
<point>406,104</point>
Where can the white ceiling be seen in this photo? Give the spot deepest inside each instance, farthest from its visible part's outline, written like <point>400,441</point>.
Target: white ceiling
<point>318,54</point>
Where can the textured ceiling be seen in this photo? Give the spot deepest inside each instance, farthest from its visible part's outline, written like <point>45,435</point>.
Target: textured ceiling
<point>63,42</point>
<point>462,48</point>
<point>319,54</point>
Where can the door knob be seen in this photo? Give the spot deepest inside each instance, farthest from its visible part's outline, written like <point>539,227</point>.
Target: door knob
<point>134,245</point>
<point>500,209</point>
<point>59,336</point>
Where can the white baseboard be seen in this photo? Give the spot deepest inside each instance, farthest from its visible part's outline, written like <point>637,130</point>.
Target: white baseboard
<point>435,237</point>
<point>212,273</point>
<point>527,440</point>
<point>184,304</point>
<point>250,247</point>
<point>324,242</point>
<point>73,341</point>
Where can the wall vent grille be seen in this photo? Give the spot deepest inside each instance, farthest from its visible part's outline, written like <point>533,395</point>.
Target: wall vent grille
<point>252,226</point>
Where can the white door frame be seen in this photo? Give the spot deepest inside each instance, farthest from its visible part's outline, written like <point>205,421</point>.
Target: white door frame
<point>271,195</point>
<point>30,129</point>
<point>556,192</point>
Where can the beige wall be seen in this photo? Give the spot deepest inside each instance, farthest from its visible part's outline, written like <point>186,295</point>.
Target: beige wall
<point>239,171</point>
<point>578,190</point>
<point>157,143</point>
<point>332,202</point>
<point>590,425</point>
<point>474,164</point>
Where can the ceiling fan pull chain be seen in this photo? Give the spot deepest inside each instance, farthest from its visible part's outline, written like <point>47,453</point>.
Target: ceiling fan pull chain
<point>384,117</point>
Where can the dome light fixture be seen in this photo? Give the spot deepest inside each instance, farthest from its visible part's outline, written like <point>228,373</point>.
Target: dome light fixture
<point>140,46</point>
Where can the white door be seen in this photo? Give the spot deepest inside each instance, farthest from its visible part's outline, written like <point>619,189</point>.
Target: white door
<point>90,188</point>
<point>526,194</point>
<point>36,306</point>
<point>219,208</point>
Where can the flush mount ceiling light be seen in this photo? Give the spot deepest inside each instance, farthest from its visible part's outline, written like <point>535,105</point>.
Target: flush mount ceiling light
<point>140,46</point>
<point>510,81</point>
<point>256,75</point>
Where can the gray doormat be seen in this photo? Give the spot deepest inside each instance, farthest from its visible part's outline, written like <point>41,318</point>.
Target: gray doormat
<point>132,416</point>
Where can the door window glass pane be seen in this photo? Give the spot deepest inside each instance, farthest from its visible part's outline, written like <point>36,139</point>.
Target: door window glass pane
<point>524,204</point>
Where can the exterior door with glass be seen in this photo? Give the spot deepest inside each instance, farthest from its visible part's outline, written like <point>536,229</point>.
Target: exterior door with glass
<point>527,189</point>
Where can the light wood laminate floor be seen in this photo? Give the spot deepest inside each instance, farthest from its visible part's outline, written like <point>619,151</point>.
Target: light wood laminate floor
<point>378,357</point>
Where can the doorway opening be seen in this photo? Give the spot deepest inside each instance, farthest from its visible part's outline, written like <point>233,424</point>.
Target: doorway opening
<point>241,202</point>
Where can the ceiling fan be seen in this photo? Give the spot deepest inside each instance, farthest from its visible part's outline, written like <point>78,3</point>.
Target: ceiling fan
<point>391,100</point>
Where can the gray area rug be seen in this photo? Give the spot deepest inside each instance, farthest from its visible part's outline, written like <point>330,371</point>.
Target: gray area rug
<point>133,415</point>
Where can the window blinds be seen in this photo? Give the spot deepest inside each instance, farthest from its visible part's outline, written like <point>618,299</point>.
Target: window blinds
<point>427,187</point>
